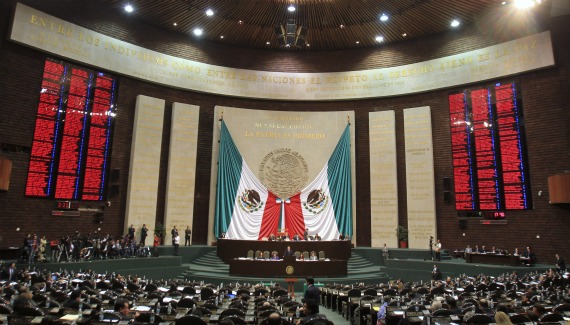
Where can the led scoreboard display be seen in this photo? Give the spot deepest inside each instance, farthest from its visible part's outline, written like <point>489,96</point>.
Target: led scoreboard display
<point>71,145</point>
<point>490,166</point>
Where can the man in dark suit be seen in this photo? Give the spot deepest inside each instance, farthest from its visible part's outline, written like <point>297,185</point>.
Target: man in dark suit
<point>436,273</point>
<point>288,252</point>
<point>187,234</point>
<point>10,274</point>
<point>560,264</point>
<point>174,233</point>
<point>312,293</point>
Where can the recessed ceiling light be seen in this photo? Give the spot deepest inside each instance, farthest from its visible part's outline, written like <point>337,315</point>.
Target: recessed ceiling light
<point>308,45</point>
<point>198,31</point>
<point>175,24</point>
<point>129,8</point>
<point>454,23</point>
<point>291,8</point>
<point>357,42</point>
<point>379,39</point>
<point>221,36</point>
<point>504,3</point>
<point>384,17</point>
<point>240,22</point>
<point>404,34</point>
<point>267,43</point>
<point>209,12</point>
<point>341,26</point>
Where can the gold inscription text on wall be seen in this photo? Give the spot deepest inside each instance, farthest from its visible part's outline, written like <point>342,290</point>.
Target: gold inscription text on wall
<point>284,172</point>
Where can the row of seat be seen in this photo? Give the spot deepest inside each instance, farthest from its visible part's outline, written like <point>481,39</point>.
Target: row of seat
<point>267,255</point>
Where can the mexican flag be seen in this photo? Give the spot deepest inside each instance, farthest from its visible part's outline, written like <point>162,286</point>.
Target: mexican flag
<point>246,209</point>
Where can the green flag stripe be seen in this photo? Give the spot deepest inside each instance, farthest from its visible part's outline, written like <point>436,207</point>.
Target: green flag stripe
<point>340,183</point>
<point>229,174</point>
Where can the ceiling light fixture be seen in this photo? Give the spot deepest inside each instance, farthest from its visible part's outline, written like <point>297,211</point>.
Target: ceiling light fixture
<point>384,17</point>
<point>291,8</point>
<point>379,39</point>
<point>524,4</point>
<point>454,23</point>
<point>291,34</point>
<point>175,24</point>
<point>222,36</point>
<point>129,8</point>
<point>404,34</point>
<point>209,12</point>
<point>198,31</point>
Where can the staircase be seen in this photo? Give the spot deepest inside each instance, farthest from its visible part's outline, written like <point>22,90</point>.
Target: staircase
<point>208,267</point>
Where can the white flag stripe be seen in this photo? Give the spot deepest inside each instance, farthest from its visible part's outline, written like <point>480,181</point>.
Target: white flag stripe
<point>323,222</point>
<point>246,224</point>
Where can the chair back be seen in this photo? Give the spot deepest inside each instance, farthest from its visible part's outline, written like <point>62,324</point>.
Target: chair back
<point>250,253</point>
<point>190,320</point>
<point>5,310</point>
<point>306,255</point>
<point>519,319</point>
<point>321,255</point>
<point>266,255</point>
<point>354,293</point>
<point>319,320</point>
<point>232,311</point>
<point>30,311</point>
<point>145,318</point>
<point>186,303</point>
<point>478,319</point>
<point>551,318</point>
<point>206,293</point>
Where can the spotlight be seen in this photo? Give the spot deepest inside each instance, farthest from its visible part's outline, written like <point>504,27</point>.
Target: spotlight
<point>129,8</point>
<point>379,39</point>
<point>291,8</point>
<point>454,23</point>
<point>209,12</point>
<point>198,31</point>
<point>524,4</point>
<point>384,17</point>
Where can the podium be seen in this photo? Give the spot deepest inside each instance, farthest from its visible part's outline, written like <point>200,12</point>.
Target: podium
<point>291,286</point>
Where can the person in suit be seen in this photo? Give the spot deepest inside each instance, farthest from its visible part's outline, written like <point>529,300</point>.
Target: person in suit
<point>187,234</point>
<point>122,309</point>
<point>144,233</point>
<point>288,252</point>
<point>317,237</point>
<point>306,234</point>
<point>132,232</point>
<point>296,237</point>
<point>174,233</point>
<point>311,311</point>
<point>272,237</point>
<point>11,273</point>
<point>435,273</point>
<point>560,264</point>
<point>73,301</point>
<point>312,293</point>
